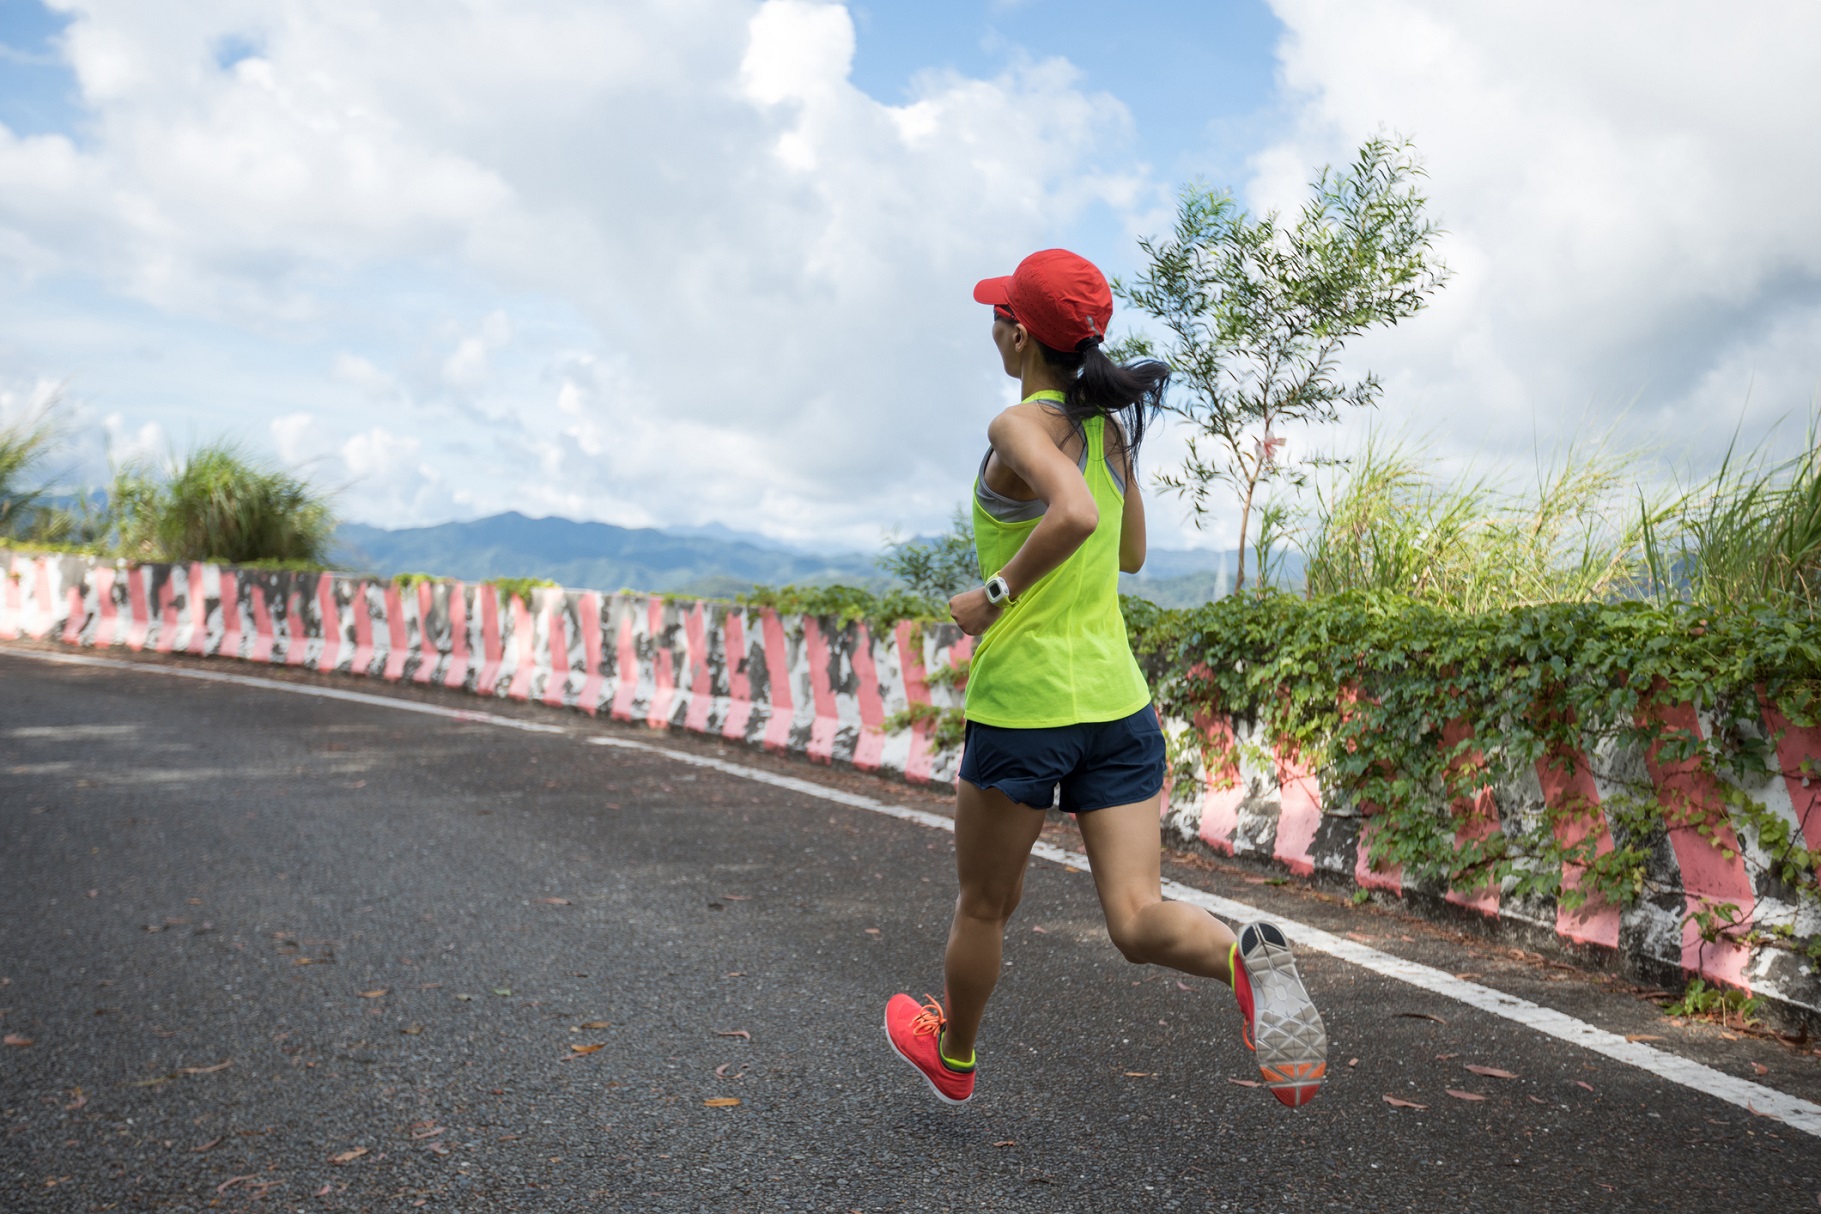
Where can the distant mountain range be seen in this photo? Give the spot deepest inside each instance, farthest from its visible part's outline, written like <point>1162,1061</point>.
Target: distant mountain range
<point>713,560</point>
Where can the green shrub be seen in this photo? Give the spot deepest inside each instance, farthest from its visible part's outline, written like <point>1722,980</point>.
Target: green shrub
<point>845,603</point>
<point>521,588</point>
<point>219,504</point>
<point>942,568</point>
<point>1700,1000</point>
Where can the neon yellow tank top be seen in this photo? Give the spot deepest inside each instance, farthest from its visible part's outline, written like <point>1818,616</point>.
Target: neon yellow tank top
<point>1059,655</point>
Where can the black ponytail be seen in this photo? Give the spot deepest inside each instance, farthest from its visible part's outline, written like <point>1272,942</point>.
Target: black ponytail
<point>1131,393</point>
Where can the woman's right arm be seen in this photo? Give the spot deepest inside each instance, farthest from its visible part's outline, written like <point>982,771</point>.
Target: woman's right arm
<point>1025,444</point>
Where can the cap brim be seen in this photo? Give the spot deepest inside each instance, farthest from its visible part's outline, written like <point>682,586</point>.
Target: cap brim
<point>994,291</point>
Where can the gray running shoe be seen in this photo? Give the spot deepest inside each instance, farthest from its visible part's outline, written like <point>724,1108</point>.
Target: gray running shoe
<point>1282,1025</point>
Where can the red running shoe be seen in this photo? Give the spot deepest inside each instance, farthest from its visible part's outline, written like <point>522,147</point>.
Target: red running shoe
<point>915,1033</point>
<point>1282,1025</point>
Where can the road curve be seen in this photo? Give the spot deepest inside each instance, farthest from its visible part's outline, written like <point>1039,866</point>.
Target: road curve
<point>273,952</point>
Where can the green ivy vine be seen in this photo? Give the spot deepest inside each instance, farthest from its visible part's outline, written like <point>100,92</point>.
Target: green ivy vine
<point>1364,689</point>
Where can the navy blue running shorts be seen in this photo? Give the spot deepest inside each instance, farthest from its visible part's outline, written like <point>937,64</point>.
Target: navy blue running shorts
<point>1097,764</point>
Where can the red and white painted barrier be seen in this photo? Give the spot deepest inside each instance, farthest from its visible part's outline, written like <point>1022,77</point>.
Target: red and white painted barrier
<point>813,686</point>
<point>824,689</point>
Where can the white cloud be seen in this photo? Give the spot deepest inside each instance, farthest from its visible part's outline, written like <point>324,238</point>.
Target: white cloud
<point>661,261</point>
<point>775,265</point>
<point>1628,202</point>
<point>128,444</point>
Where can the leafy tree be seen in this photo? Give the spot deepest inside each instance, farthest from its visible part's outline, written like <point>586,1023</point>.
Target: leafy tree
<point>1258,310</point>
<point>941,568</point>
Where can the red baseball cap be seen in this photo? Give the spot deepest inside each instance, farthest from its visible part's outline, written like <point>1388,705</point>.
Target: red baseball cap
<point>1061,297</point>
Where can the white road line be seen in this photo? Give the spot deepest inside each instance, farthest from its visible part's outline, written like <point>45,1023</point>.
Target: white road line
<point>1798,1113</point>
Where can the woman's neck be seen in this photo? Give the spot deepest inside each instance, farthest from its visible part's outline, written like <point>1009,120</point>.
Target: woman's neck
<point>1036,375</point>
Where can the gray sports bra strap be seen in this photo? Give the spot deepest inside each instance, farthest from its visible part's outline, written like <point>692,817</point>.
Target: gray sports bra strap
<point>1010,509</point>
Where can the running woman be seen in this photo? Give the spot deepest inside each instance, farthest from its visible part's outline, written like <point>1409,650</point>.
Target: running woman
<point>1055,697</point>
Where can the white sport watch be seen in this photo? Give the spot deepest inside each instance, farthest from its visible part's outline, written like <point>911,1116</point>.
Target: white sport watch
<point>997,591</point>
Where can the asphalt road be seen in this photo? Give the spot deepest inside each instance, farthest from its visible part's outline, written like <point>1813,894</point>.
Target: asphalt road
<point>281,953</point>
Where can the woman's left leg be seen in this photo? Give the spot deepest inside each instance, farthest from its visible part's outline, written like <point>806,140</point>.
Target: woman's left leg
<point>1125,844</point>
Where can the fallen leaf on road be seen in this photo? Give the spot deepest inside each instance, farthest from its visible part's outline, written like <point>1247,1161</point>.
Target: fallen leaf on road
<point>375,994</point>
<point>1468,975</point>
<point>872,931</point>
<point>1395,1103</point>
<point>555,901</point>
<point>1422,1016</point>
<point>733,1033</point>
<point>1140,1074</point>
<point>1490,1072</point>
<point>425,1129</point>
<point>210,1145</point>
<point>1537,1100</point>
<point>1352,1062</point>
<point>1445,1057</point>
<point>1040,930</point>
<point>1460,1095</point>
<point>466,998</point>
<point>428,986</point>
<point>1583,1084</point>
<point>348,1156</point>
<point>595,1024</point>
<point>205,1070</point>
<point>1183,986</point>
<point>437,1148</point>
<point>737,897</point>
<point>78,1099</point>
<point>412,1030</point>
<point>16,1039</point>
<point>734,974</point>
<point>1244,1083</point>
<point>313,961</point>
<point>586,1049</point>
<point>504,992</point>
<point>1759,1068</point>
<point>1755,1111</point>
<point>1006,1142</point>
<point>149,1083</point>
<point>1642,1037</point>
<point>721,1102</point>
<point>231,1181</point>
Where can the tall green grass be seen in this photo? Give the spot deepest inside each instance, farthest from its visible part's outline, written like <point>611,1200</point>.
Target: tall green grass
<point>1385,521</point>
<point>218,503</point>
<point>23,445</point>
<point>1750,534</point>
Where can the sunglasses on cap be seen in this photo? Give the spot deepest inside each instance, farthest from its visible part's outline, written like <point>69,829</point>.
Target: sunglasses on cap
<point>1001,312</point>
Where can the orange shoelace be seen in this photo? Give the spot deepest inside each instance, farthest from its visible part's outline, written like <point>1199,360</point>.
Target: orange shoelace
<point>930,1020</point>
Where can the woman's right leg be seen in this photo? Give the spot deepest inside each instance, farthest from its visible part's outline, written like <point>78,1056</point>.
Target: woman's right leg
<point>993,838</point>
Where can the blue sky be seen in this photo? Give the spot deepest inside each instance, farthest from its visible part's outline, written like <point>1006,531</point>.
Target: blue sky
<point>37,93</point>
<point>657,263</point>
